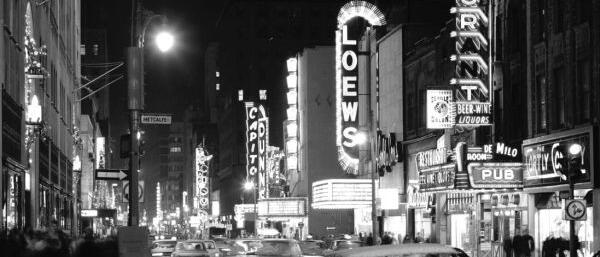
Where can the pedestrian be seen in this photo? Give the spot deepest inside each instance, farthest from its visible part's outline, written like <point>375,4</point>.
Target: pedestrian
<point>419,238</point>
<point>370,239</point>
<point>386,240</point>
<point>408,239</point>
<point>507,245</point>
<point>523,244</point>
<point>394,239</point>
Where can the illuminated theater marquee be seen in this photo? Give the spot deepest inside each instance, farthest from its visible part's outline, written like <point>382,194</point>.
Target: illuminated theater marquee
<point>472,96</point>
<point>346,37</point>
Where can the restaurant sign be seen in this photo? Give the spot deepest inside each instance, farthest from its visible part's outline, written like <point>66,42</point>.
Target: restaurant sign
<point>542,155</point>
<point>440,177</point>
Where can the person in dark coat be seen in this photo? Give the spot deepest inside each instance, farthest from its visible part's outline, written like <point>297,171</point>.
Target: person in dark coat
<point>507,245</point>
<point>523,244</point>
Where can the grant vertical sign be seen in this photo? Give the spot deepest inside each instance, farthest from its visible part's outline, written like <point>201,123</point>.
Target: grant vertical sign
<point>347,106</point>
<point>472,78</point>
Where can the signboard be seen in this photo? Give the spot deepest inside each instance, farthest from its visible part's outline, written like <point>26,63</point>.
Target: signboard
<point>440,177</point>
<point>389,198</point>
<point>471,84</point>
<point>126,191</point>
<point>112,174</point>
<point>263,142</point>
<point>541,157</point>
<point>575,210</point>
<point>163,119</point>
<point>282,207</point>
<point>495,175</point>
<point>349,31</point>
<point>89,213</point>
<point>252,117</point>
<point>341,193</point>
<point>439,109</point>
<point>202,183</point>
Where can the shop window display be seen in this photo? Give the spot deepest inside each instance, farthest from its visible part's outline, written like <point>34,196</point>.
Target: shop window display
<point>553,232</point>
<point>423,224</point>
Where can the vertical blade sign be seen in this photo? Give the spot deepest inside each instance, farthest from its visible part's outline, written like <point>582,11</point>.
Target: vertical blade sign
<point>471,84</point>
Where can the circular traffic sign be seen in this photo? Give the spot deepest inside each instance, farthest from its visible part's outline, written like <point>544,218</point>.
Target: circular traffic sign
<point>575,209</point>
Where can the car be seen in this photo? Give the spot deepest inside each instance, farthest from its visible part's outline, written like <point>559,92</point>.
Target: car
<point>402,250</point>
<point>241,247</point>
<point>195,248</point>
<point>162,247</point>
<point>211,247</point>
<point>342,244</point>
<point>313,247</point>
<point>278,247</point>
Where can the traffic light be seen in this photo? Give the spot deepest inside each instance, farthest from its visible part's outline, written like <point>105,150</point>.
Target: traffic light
<point>142,151</point>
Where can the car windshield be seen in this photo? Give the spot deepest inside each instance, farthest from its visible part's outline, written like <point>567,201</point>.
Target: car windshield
<point>164,244</point>
<point>190,246</point>
<point>246,245</point>
<point>278,248</point>
<point>348,244</point>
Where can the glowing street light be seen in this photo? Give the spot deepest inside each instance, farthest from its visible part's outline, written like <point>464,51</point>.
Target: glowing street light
<point>164,41</point>
<point>248,185</point>
<point>360,138</point>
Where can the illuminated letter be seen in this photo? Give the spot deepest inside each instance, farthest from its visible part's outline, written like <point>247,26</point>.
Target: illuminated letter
<point>486,173</point>
<point>509,174</point>
<point>353,60</point>
<point>350,134</point>
<point>349,110</point>
<point>252,113</point>
<point>345,40</point>
<point>468,20</point>
<point>469,90</point>
<point>347,85</point>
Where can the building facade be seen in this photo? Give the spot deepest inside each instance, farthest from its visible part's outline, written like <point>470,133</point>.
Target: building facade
<point>41,57</point>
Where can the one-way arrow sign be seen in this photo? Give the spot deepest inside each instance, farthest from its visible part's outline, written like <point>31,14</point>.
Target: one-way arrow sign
<point>112,174</point>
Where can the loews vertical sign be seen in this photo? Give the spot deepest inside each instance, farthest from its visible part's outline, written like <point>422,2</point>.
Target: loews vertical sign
<point>347,34</point>
<point>471,84</point>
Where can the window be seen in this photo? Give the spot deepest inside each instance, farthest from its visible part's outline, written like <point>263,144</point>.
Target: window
<point>583,93</point>
<point>175,149</point>
<point>539,106</point>
<point>558,105</point>
<point>540,14</point>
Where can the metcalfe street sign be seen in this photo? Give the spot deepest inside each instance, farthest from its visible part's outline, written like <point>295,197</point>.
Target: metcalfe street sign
<point>150,118</point>
<point>112,174</point>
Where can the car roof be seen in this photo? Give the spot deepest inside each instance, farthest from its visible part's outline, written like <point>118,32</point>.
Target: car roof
<point>387,250</point>
<point>164,240</point>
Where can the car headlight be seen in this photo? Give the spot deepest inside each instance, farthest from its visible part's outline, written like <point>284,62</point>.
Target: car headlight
<point>157,254</point>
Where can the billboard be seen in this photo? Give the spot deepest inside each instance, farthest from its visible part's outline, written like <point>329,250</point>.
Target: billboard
<point>440,112</point>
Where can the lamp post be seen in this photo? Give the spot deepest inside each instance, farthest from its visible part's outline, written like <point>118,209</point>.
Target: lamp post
<point>135,90</point>
<point>573,168</point>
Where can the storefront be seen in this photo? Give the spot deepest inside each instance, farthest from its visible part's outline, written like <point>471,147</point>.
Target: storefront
<point>13,196</point>
<point>469,196</point>
<point>287,216</point>
<point>546,182</point>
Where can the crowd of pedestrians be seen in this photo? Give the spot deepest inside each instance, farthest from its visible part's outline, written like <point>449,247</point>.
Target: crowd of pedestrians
<point>54,242</point>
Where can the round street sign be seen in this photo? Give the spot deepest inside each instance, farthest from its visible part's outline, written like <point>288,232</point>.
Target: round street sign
<point>575,210</point>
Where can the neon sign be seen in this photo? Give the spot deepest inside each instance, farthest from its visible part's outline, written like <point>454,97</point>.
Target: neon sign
<point>202,189</point>
<point>347,79</point>
<point>256,140</point>
<point>472,96</point>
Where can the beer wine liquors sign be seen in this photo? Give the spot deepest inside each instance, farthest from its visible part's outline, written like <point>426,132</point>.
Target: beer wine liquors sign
<point>347,34</point>
<point>256,141</point>
<point>472,78</point>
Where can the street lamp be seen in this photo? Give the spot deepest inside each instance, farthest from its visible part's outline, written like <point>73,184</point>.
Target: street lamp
<point>574,163</point>
<point>164,41</point>
<point>135,90</point>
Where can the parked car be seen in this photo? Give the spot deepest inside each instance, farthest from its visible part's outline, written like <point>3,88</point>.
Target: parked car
<point>402,250</point>
<point>279,248</point>
<point>313,247</point>
<point>162,247</point>
<point>211,247</point>
<point>196,248</point>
